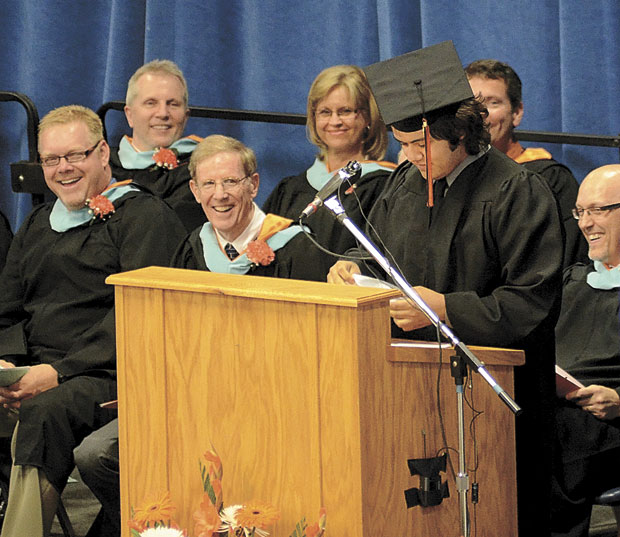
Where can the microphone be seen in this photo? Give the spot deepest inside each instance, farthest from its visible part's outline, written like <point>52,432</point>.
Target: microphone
<point>352,169</point>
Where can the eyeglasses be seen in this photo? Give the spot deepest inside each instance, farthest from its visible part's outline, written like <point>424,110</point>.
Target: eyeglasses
<point>227,184</point>
<point>325,114</point>
<point>74,156</point>
<point>594,211</point>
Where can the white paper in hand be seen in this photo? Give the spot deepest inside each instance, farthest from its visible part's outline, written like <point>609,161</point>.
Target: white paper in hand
<point>10,375</point>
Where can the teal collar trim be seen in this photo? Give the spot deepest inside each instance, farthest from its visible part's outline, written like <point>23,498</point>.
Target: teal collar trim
<point>217,261</point>
<point>62,219</point>
<point>604,278</point>
<point>140,160</point>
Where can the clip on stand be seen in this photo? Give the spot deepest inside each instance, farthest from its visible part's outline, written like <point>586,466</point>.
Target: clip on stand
<point>464,357</point>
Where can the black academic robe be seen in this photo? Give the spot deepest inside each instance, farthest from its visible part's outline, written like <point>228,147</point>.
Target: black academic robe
<point>170,185</point>
<point>55,308</point>
<point>494,249</point>
<point>588,347</point>
<point>565,189</point>
<point>291,196</point>
<point>295,260</point>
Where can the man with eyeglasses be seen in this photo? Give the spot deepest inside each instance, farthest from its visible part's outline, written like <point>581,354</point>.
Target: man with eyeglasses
<point>588,347</point>
<point>56,311</point>
<point>239,238</point>
<point>156,154</point>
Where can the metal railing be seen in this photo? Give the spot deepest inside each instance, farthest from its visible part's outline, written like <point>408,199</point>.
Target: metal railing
<point>27,176</point>
<point>300,119</point>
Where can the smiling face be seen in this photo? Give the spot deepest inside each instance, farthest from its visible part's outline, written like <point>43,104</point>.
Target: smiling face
<point>601,187</point>
<point>229,211</point>
<point>340,135</point>
<point>443,159</point>
<point>502,118</point>
<point>157,114</point>
<point>74,183</point>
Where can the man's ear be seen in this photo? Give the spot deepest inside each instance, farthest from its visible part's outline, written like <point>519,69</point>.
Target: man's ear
<point>194,188</point>
<point>127,111</point>
<point>255,181</point>
<point>517,115</point>
<point>104,152</point>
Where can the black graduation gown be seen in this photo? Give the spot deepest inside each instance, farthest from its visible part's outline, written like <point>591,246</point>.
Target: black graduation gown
<point>170,185</point>
<point>565,189</point>
<point>291,196</point>
<point>55,308</point>
<point>494,248</point>
<point>295,260</point>
<point>588,347</point>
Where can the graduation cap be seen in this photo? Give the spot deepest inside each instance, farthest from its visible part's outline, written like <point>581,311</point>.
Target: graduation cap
<point>428,82</point>
<point>415,89</point>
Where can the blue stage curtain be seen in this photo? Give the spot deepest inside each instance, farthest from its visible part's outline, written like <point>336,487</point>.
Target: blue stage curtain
<point>264,55</point>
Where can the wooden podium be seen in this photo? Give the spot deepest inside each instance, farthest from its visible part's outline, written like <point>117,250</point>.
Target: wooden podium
<point>298,388</point>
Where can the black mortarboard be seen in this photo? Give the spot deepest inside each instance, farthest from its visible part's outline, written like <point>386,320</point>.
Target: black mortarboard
<point>430,81</point>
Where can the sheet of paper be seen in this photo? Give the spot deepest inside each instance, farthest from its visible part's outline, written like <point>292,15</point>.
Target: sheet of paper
<point>10,375</point>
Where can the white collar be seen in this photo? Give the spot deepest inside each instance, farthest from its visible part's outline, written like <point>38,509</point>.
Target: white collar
<point>248,234</point>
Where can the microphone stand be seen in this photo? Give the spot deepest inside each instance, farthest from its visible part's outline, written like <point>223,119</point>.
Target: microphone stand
<point>464,357</point>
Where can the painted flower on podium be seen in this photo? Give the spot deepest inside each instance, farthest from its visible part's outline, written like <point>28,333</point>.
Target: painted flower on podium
<point>156,512</point>
<point>318,528</point>
<point>100,207</point>
<point>206,518</point>
<point>257,514</point>
<point>260,253</point>
<point>212,519</point>
<point>166,158</point>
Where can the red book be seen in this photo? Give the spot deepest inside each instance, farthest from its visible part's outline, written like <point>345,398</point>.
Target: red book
<point>565,382</point>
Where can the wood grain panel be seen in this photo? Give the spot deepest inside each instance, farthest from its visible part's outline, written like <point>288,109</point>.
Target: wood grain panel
<point>299,390</point>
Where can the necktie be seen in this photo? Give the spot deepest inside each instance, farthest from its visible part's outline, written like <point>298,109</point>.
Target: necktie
<point>439,189</point>
<point>230,251</point>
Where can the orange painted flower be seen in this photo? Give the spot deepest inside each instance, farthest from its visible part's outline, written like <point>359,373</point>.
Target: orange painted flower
<point>206,518</point>
<point>136,527</point>
<point>216,486</point>
<point>257,515</point>
<point>158,509</point>
<point>214,463</point>
<point>318,528</point>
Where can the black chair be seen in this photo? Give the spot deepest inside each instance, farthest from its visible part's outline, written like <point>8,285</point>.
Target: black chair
<point>27,175</point>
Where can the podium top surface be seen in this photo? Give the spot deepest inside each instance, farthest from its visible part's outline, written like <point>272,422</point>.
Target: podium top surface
<point>198,281</point>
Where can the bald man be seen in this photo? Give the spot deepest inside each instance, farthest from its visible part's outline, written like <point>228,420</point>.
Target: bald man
<point>588,347</point>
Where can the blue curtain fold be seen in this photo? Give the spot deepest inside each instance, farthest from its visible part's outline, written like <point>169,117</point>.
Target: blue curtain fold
<point>264,56</point>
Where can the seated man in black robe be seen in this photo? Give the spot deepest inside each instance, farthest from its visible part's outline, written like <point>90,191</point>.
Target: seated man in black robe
<point>588,347</point>
<point>486,256</point>
<point>156,155</point>
<point>238,239</point>
<point>56,311</point>
<point>498,86</point>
